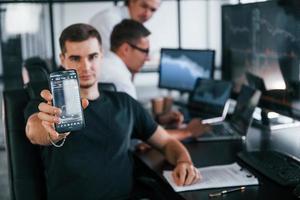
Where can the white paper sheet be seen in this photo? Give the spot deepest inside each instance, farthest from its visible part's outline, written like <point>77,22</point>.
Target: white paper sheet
<point>217,177</point>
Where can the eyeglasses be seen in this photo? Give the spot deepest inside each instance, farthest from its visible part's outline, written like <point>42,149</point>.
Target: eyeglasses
<point>146,51</point>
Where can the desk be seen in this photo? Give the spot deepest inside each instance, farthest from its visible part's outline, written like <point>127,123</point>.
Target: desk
<point>224,152</point>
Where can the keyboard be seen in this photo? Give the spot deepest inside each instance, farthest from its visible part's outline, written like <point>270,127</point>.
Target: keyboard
<point>221,129</point>
<point>280,168</point>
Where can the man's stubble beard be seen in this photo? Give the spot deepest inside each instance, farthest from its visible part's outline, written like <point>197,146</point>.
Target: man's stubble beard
<point>87,86</point>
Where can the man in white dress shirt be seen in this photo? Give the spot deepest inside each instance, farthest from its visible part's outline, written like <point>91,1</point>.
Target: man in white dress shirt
<point>129,51</point>
<point>138,10</point>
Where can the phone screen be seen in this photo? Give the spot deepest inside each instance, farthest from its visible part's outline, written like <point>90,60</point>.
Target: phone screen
<point>66,96</point>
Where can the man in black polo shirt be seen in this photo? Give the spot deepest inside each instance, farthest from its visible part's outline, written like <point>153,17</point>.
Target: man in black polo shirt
<point>95,163</point>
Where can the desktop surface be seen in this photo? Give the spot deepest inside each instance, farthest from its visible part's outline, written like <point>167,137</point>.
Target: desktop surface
<point>225,152</point>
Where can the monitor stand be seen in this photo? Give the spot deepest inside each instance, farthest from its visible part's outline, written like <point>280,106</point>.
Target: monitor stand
<point>276,121</point>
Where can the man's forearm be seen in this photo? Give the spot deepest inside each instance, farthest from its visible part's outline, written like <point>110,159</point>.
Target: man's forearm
<point>179,134</point>
<point>173,150</point>
<point>35,132</point>
<point>175,153</point>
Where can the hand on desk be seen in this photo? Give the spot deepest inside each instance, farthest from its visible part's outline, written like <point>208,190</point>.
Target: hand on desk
<point>186,174</point>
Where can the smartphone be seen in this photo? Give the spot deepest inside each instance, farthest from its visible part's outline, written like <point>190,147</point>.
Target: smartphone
<point>66,96</point>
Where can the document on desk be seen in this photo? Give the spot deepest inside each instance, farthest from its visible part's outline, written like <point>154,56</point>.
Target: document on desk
<point>217,177</point>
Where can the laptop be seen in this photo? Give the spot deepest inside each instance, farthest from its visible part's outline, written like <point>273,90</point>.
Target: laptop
<point>237,126</point>
<point>208,101</point>
<point>255,82</point>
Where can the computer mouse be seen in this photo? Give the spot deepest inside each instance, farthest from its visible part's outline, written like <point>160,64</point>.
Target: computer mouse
<point>296,191</point>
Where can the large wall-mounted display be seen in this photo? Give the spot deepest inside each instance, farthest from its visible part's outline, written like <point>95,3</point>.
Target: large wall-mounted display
<point>263,40</point>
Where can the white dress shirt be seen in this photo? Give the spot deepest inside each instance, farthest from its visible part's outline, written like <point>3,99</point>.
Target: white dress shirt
<point>114,70</point>
<point>105,21</point>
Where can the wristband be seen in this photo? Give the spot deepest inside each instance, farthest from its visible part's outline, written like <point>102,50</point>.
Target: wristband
<point>55,143</point>
<point>184,161</point>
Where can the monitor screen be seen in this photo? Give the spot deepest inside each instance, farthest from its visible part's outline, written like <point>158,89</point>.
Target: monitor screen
<point>245,106</point>
<point>180,68</point>
<point>210,95</point>
<point>211,92</point>
<point>261,48</point>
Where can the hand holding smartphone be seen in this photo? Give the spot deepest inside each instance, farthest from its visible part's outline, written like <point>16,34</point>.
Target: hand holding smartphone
<point>66,96</point>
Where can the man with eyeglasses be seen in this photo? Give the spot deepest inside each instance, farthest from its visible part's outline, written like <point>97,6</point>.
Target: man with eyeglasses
<point>129,51</point>
<point>138,10</point>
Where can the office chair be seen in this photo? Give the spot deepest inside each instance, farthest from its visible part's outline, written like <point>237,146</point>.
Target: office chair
<point>37,69</point>
<point>26,176</point>
<point>38,74</point>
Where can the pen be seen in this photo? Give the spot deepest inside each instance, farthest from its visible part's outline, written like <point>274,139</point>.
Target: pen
<point>217,194</point>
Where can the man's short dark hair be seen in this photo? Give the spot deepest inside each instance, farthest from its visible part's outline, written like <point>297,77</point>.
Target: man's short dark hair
<point>78,33</point>
<point>127,31</point>
<point>126,2</point>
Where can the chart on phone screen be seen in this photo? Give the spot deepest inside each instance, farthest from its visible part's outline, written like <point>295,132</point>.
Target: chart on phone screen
<point>72,97</point>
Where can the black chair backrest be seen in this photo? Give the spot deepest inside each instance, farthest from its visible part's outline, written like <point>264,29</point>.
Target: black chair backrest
<point>38,74</point>
<point>27,180</point>
<point>107,87</point>
<point>37,69</point>
<point>34,89</point>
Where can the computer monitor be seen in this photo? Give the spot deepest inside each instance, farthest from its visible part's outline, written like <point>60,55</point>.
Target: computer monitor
<point>180,68</point>
<point>261,47</point>
<point>210,95</point>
